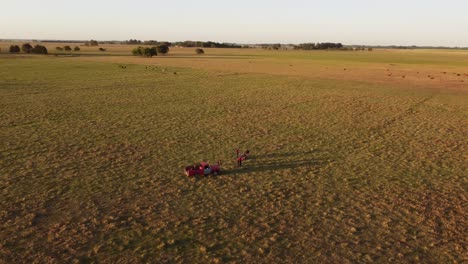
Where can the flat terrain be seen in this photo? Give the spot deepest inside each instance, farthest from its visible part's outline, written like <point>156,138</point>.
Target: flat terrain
<point>357,156</point>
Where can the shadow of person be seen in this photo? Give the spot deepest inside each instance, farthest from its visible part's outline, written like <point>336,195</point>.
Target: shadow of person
<point>278,165</point>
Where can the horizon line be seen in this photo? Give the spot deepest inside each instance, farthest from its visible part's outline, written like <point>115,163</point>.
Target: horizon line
<point>238,43</point>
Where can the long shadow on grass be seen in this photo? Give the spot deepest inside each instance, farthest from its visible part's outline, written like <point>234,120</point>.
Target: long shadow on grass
<point>287,154</point>
<point>276,165</point>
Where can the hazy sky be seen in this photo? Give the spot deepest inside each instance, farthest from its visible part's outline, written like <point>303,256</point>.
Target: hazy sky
<point>408,22</point>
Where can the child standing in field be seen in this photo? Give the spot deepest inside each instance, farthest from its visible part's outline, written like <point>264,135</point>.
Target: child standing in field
<point>239,161</point>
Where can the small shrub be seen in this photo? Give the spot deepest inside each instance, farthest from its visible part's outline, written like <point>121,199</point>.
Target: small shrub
<point>59,48</point>
<point>77,48</point>
<point>14,49</point>
<point>200,51</point>
<point>102,49</point>
<point>67,48</point>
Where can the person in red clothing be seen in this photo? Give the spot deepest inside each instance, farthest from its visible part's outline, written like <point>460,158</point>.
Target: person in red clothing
<point>239,161</point>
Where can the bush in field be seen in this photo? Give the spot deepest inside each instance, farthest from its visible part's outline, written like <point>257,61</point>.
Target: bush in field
<point>102,49</point>
<point>59,48</point>
<point>138,51</point>
<point>146,52</point>
<point>200,51</point>
<point>77,48</point>
<point>163,49</point>
<point>67,48</point>
<point>39,49</point>
<point>14,49</point>
<point>150,52</point>
<point>26,48</point>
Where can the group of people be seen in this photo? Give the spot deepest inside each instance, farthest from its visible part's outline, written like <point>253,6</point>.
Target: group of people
<point>241,157</point>
<point>194,167</point>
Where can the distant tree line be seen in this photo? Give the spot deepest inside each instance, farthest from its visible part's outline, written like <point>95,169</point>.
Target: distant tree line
<point>185,44</point>
<point>275,46</point>
<point>205,44</point>
<point>318,46</point>
<point>132,42</point>
<point>28,49</point>
<point>91,43</point>
<point>67,48</point>
<point>146,42</point>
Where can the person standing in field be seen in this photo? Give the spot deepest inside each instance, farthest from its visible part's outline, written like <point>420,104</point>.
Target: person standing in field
<point>239,161</point>
<point>237,153</point>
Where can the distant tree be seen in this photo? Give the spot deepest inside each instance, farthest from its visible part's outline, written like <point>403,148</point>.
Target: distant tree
<point>91,43</point>
<point>76,48</point>
<point>132,42</point>
<point>59,48</point>
<point>165,43</point>
<point>163,49</point>
<point>39,49</point>
<point>151,42</point>
<point>146,52</point>
<point>14,49</point>
<point>102,49</point>
<point>150,52</point>
<point>26,48</point>
<point>199,51</point>
<point>67,48</point>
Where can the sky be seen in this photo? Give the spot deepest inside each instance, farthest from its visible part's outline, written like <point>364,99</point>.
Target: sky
<point>367,22</point>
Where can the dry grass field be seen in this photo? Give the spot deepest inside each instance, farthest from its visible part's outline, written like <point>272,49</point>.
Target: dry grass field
<point>357,156</point>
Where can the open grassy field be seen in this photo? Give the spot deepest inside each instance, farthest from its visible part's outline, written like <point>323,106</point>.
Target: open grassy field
<point>352,162</point>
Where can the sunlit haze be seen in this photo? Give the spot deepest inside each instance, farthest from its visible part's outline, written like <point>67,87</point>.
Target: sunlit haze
<point>398,22</point>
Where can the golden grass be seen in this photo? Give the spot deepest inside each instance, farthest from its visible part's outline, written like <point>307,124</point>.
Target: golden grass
<point>343,170</point>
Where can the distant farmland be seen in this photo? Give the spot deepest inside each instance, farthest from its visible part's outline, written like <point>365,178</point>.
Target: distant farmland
<point>356,156</point>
